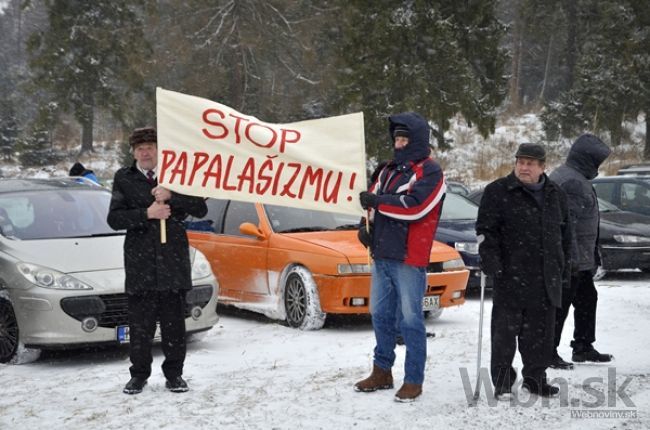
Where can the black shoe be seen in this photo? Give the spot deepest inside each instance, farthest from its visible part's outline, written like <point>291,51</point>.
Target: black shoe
<point>135,385</point>
<point>502,392</point>
<point>558,363</point>
<point>591,355</point>
<point>177,385</point>
<point>544,389</point>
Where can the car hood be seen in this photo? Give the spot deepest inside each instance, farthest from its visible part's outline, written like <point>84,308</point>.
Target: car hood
<point>342,241</point>
<point>625,222</point>
<point>69,255</point>
<point>346,243</point>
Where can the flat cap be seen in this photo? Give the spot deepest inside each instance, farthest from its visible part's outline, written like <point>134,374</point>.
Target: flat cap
<point>531,150</point>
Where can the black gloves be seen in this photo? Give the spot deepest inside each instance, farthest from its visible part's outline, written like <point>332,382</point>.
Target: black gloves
<point>368,200</point>
<point>365,237</point>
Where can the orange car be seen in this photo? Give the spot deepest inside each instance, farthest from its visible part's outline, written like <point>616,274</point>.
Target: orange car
<point>300,265</point>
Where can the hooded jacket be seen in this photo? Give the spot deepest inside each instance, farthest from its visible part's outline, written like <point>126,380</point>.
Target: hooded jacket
<point>585,157</point>
<point>410,190</point>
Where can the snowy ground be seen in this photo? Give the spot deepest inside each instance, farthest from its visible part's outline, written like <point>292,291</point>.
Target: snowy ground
<point>251,373</point>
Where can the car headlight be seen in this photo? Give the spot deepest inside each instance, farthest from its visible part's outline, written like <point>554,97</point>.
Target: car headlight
<point>49,278</point>
<point>200,266</point>
<point>629,238</point>
<point>468,247</point>
<point>454,264</point>
<point>344,269</point>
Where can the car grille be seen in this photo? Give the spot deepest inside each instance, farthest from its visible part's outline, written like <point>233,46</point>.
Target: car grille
<point>115,312</point>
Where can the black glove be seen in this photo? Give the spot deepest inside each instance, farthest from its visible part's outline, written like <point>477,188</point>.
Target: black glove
<point>368,200</point>
<point>365,236</point>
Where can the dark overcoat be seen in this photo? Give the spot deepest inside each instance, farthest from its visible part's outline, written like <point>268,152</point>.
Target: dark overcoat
<point>150,265</point>
<point>525,246</point>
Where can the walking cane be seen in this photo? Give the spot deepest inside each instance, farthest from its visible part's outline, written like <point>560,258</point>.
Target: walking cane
<point>477,389</point>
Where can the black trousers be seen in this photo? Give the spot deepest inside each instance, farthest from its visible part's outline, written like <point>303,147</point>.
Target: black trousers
<point>531,327</point>
<point>583,296</point>
<point>145,309</point>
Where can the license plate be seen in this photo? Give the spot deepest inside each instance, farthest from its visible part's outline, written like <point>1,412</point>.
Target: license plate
<point>431,303</point>
<point>123,333</point>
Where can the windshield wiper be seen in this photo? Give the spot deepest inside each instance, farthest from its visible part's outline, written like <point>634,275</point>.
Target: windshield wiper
<point>303,229</point>
<point>348,227</point>
<point>116,233</point>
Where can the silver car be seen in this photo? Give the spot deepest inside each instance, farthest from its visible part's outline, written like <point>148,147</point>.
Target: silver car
<point>62,271</point>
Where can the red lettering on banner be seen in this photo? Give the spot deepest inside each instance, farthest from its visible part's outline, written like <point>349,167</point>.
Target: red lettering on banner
<point>300,182</point>
<point>284,138</point>
<point>179,168</point>
<point>168,159</point>
<point>250,138</point>
<point>237,122</point>
<point>311,177</point>
<point>247,175</point>
<point>227,175</point>
<point>280,136</point>
<point>214,123</point>
<point>200,158</point>
<point>212,173</point>
<point>266,179</point>
<point>335,190</point>
<point>286,190</point>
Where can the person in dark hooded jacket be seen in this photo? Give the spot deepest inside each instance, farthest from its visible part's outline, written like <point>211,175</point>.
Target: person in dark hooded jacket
<point>404,206</point>
<point>585,156</point>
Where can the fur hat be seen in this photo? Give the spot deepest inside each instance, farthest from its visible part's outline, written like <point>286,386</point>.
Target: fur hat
<point>143,135</point>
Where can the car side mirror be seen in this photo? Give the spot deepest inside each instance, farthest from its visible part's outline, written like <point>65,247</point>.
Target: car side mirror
<point>250,229</point>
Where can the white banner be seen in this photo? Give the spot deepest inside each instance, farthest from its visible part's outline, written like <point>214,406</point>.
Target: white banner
<point>210,150</point>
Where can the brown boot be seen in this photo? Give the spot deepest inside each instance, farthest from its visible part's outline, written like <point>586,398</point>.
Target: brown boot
<point>379,379</point>
<point>408,393</point>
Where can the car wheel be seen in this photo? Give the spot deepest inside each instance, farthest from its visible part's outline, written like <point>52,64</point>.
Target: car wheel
<point>301,301</point>
<point>11,349</point>
<point>8,332</point>
<point>433,315</point>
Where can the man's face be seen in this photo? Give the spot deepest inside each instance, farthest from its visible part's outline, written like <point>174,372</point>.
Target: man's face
<point>528,170</point>
<point>146,154</point>
<point>401,142</point>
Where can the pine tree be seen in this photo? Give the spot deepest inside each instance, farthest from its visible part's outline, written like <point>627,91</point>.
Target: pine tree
<point>89,57</point>
<point>438,58</point>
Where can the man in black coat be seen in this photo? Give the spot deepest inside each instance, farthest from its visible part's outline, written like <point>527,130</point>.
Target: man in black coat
<point>523,220</point>
<point>587,154</point>
<point>157,275</point>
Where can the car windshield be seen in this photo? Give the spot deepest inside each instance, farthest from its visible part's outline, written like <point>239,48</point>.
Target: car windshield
<point>55,214</point>
<point>456,207</point>
<point>293,220</point>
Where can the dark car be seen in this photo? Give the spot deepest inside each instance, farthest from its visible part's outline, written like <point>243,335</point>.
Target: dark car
<point>635,169</point>
<point>628,193</point>
<point>457,188</point>
<point>624,239</point>
<point>456,228</point>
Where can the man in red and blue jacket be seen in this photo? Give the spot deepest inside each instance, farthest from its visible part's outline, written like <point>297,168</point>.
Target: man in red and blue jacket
<point>404,205</point>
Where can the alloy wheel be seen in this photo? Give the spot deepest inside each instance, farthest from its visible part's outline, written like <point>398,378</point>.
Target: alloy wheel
<point>295,300</point>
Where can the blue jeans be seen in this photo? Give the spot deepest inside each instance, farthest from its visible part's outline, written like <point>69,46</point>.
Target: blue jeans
<point>396,297</point>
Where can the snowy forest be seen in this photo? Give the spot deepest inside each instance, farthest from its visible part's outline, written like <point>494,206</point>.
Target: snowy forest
<point>74,72</point>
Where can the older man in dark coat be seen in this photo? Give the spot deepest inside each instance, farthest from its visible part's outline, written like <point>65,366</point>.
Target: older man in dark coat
<point>157,275</point>
<point>587,154</point>
<point>524,222</point>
